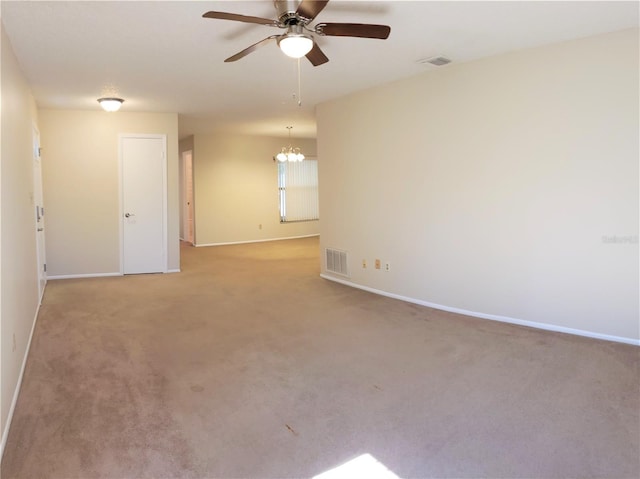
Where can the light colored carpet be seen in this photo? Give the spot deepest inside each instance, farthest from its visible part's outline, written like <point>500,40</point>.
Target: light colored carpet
<point>249,365</point>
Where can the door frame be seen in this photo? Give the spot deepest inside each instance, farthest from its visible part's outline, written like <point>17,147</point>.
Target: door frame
<point>38,200</point>
<point>121,212</point>
<point>187,201</point>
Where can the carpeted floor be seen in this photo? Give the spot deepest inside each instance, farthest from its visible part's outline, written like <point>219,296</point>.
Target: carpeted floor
<point>249,365</point>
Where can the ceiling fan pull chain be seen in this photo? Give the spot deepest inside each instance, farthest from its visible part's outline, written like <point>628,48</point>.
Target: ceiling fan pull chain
<point>299,87</point>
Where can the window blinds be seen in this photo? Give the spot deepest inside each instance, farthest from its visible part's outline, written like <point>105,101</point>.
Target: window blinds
<point>298,186</point>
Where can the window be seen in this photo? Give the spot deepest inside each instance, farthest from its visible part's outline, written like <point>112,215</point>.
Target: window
<point>298,190</point>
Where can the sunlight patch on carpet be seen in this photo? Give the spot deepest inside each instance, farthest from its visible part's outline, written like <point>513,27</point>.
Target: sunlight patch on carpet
<point>362,466</point>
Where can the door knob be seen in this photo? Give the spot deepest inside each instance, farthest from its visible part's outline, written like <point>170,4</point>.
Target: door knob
<point>127,215</point>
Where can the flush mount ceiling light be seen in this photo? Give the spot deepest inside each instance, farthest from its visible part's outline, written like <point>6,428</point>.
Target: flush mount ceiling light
<point>288,153</point>
<point>110,104</point>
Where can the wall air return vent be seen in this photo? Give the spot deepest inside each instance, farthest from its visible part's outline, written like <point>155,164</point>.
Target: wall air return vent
<point>337,262</point>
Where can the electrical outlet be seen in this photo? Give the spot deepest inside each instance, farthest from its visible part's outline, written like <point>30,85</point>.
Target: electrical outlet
<point>377,264</point>
<point>364,263</point>
<point>387,266</point>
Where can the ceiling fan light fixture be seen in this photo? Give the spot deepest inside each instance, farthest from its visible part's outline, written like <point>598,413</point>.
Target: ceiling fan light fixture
<point>296,45</point>
<point>110,104</point>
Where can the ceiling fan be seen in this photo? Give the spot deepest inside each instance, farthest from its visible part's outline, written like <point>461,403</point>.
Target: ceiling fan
<point>295,16</point>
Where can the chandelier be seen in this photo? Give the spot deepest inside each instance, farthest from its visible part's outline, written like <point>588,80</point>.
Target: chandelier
<point>288,153</point>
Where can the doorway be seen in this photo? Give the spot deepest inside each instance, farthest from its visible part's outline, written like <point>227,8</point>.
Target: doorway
<point>187,188</point>
<point>143,166</point>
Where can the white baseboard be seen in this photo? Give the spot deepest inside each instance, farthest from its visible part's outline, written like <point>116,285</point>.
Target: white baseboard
<point>493,317</point>
<point>16,393</point>
<point>256,241</point>
<point>97,275</point>
<point>79,276</point>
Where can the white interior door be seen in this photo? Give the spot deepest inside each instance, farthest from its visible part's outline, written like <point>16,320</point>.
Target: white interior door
<point>144,203</point>
<point>38,203</point>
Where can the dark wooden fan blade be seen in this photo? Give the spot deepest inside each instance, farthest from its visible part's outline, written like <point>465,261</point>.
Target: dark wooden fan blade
<point>310,9</point>
<point>250,49</point>
<point>239,18</point>
<point>362,30</point>
<point>316,56</point>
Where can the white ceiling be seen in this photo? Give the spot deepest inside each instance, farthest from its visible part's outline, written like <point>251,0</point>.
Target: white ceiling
<point>164,57</point>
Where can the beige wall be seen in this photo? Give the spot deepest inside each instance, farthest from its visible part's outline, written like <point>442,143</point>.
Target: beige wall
<point>19,277</point>
<point>489,186</point>
<point>81,187</point>
<point>236,189</point>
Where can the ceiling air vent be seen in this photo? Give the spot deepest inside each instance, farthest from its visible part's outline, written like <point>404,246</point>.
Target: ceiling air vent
<point>437,61</point>
<point>337,262</point>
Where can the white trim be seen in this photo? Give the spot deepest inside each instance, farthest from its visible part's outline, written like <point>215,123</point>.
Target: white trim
<point>120,206</point>
<point>16,393</point>
<point>174,271</point>
<point>80,276</point>
<point>165,209</point>
<point>493,317</point>
<point>256,241</point>
<point>165,204</point>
